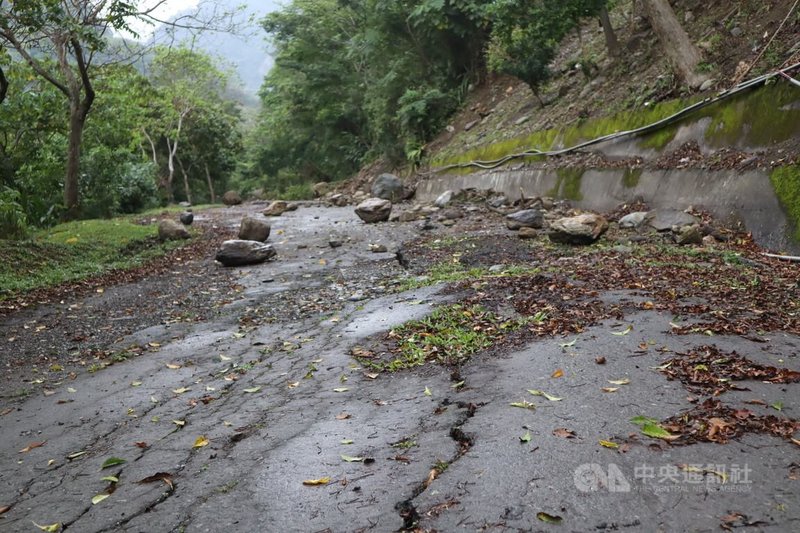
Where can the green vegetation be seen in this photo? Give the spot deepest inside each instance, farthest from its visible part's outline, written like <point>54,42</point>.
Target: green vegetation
<point>786,182</point>
<point>568,184</point>
<point>450,335</point>
<point>441,273</point>
<point>74,251</point>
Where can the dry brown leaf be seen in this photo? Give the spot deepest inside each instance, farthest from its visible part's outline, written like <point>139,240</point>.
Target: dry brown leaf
<point>5,509</point>
<point>564,433</point>
<point>343,416</point>
<point>32,445</point>
<point>316,482</point>
<point>166,477</point>
<point>433,474</point>
<point>557,374</point>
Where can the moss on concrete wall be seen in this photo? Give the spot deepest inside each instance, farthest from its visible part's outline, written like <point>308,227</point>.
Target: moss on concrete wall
<point>786,182</point>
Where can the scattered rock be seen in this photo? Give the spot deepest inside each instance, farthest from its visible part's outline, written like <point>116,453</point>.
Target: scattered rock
<point>582,229</point>
<point>187,217</point>
<point>388,187</point>
<point>240,252</point>
<point>185,204</point>
<point>689,235</point>
<point>527,218</point>
<point>169,230</point>
<point>706,85</point>
<point>444,199</point>
<point>622,249</point>
<point>427,225</point>
<point>374,210</point>
<point>377,248</point>
<point>275,209</point>
<point>632,220</point>
<point>253,229</point>
<point>527,233</point>
<point>448,222</point>
<point>452,214</point>
<point>471,125</point>
<point>600,360</point>
<point>497,201</point>
<point>494,269</point>
<point>736,32</point>
<point>231,198</point>
<point>335,243</point>
<point>321,189</point>
<point>339,200</point>
<point>408,216</point>
<point>709,240</point>
<point>292,206</point>
<point>665,219</point>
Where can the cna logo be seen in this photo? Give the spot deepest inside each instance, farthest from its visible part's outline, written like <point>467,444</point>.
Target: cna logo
<point>592,477</point>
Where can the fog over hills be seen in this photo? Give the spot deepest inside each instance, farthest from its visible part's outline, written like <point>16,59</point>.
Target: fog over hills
<point>246,52</point>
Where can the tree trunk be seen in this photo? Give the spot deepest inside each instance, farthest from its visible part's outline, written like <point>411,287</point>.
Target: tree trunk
<point>3,85</point>
<point>77,120</point>
<point>210,186</point>
<point>612,45</point>
<point>186,187</point>
<point>675,43</point>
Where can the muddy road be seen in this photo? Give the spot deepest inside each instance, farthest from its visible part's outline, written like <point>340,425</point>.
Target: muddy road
<point>622,399</point>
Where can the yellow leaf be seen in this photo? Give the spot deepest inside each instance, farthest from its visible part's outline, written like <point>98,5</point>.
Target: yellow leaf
<point>224,357</point>
<point>100,497</point>
<point>179,423</point>
<point>52,528</point>
<point>173,366</point>
<point>320,481</point>
<point>181,390</point>
<point>609,444</point>
<point>624,381</point>
<point>200,442</point>
<point>154,345</point>
<point>795,441</point>
<point>557,374</point>
<point>71,240</point>
<point>428,392</point>
<point>610,389</point>
<point>294,384</point>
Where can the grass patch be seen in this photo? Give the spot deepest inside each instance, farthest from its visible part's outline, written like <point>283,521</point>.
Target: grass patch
<point>449,335</point>
<point>441,273</point>
<point>74,251</point>
<point>786,182</point>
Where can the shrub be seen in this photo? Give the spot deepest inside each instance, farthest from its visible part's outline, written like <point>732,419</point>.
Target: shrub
<point>13,222</point>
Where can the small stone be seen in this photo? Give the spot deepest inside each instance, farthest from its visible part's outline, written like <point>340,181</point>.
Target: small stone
<point>494,269</point>
<point>444,199</point>
<point>709,240</point>
<point>374,210</point>
<point>600,360</point>
<point>253,229</point>
<point>334,243</point>
<point>527,218</point>
<point>377,248</point>
<point>275,209</point>
<point>736,32</point>
<point>582,229</point>
<point>689,235</point>
<point>527,233</point>
<point>632,220</point>
<point>452,214</point>
<point>471,125</point>
<point>448,222</point>
<point>187,217</point>
<point>292,206</point>
<point>706,85</point>
<point>357,296</point>
<point>240,252</point>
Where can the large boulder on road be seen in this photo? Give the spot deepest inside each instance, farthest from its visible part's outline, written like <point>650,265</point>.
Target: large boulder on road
<point>240,252</point>
<point>527,218</point>
<point>388,187</point>
<point>275,209</point>
<point>169,230</point>
<point>253,229</point>
<point>582,229</point>
<point>666,219</point>
<point>374,210</point>
<point>231,198</point>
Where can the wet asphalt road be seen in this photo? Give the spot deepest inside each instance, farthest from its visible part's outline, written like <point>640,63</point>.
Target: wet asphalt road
<point>280,402</point>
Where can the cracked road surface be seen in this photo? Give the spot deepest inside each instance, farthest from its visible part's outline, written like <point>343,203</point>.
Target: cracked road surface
<point>269,382</point>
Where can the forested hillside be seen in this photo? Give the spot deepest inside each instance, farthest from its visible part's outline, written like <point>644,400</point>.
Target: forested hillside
<point>85,134</point>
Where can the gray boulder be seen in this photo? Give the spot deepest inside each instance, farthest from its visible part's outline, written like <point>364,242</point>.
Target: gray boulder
<point>275,209</point>
<point>231,198</point>
<point>253,229</point>
<point>497,201</point>
<point>292,206</point>
<point>388,187</point>
<point>689,235</point>
<point>527,218</point>
<point>374,210</point>
<point>169,230</point>
<point>444,199</point>
<point>582,229</point>
<point>187,217</point>
<point>632,220</point>
<point>321,189</point>
<point>240,252</point>
<point>665,219</point>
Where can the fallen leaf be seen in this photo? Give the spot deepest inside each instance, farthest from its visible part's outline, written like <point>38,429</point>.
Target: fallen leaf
<point>166,477</point>
<point>346,441</point>
<point>100,497</point>
<point>112,461</point>
<point>624,381</point>
<point>343,416</point>
<point>110,479</point>
<point>608,444</point>
<point>32,445</point>
<point>50,462</point>
<point>569,344</point>
<point>564,433</point>
<point>179,423</point>
<point>657,432</point>
<point>458,385</point>
<point>432,475</point>
<point>609,389</point>
<point>371,375</point>
<point>549,518</point>
<point>641,420</point>
<point>200,442</point>
<point>557,374</point>
<point>320,481</point>
<point>154,345</point>
<point>173,366</point>
<point>350,459</point>
<point>142,445</point>
<point>224,357</point>
<point>796,441</point>
<point>526,437</point>
<point>5,509</point>
<point>71,390</point>
<point>756,402</point>
<point>75,455</point>
<point>52,528</point>
<point>181,390</point>
<point>6,411</point>
<point>778,406</point>
<point>621,333</point>
<point>524,405</point>
<point>341,389</point>
<point>548,396</point>
<point>294,385</point>
<point>252,390</point>
<point>427,392</point>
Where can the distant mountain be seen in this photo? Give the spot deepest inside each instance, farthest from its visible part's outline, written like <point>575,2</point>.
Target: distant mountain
<point>247,53</point>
